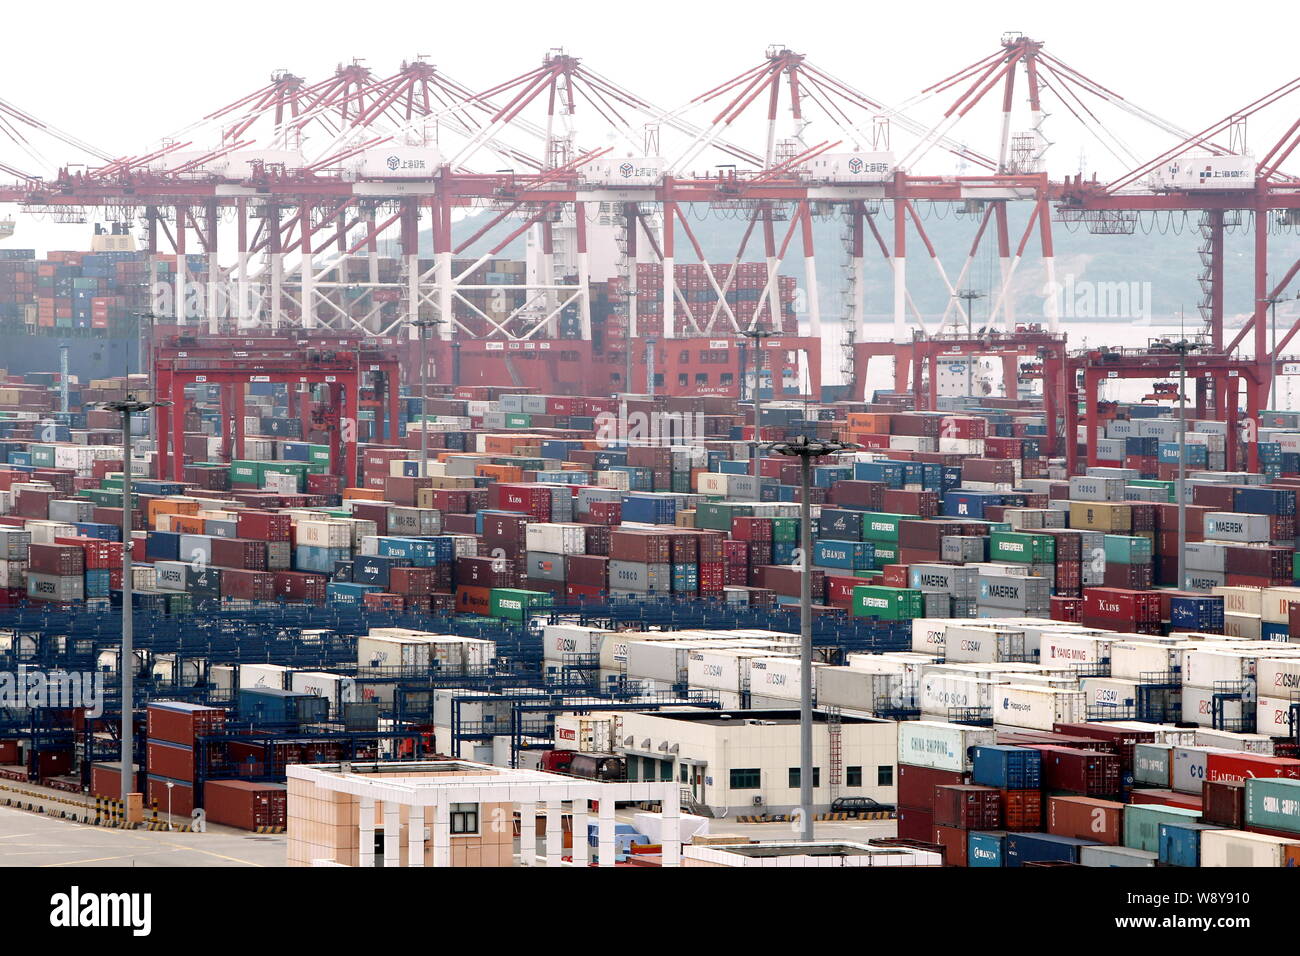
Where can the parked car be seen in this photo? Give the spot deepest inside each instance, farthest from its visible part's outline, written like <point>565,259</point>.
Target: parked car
<point>860,805</point>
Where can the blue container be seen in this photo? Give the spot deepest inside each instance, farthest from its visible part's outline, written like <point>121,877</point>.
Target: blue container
<point>96,529</point>
<point>1263,501</point>
<point>969,504</point>
<point>1007,768</point>
<point>319,560</point>
<point>162,546</point>
<point>339,592</point>
<point>559,449</point>
<point>649,509</point>
<point>417,552</point>
<point>824,476</point>
<point>844,555</point>
<point>1134,445</point>
<point>1198,456</point>
<point>1022,848</point>
<point>97,582</point>
<point>373,569</point>
<point>686,578</point>
<point>890,472</point>
<point>147,486</point>
<point>733,468</point>
<point>783,552</point>
<point>1274,632</point>
<point>840,525</point>
<point>1180,843</point>
<point>1196,613</point>
<point>986,848</point>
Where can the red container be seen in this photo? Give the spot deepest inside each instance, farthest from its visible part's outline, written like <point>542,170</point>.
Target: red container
<point>923,503</point>
<point>180,723</point>
<point>751,529</point>
<point>243,553</point>
<point>1166,798</point>
<point>60,559</point>
<point>300,586</point>
<point>246,804</point>
<point>1233,766</point>
<point>263,525</point>
<point>106,781</point>
<point>967,807</point>
<point>953,841</point>
<point>181,796</point>
<point>484,572</point>
<point>1086,819</point>
<point>587,570</point>
<point>1022,810</point>
<point>916,784</point>
<point>1119,604</point>
<point>247,585</point>
<point>868,495</point>
<point>1124,739</point>
<point>646,547</point>
<point>175,761</point>
<point>415,582</point>
<point>915,823</point>
<point>1224,802</point>
<point>1085,772</point>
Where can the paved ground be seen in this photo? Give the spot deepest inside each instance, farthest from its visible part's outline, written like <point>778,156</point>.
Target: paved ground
<point>30,839</point>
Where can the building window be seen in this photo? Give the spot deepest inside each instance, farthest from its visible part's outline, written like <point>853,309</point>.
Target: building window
<point>682,378</point>
<point>853,776</point>
<point>750,779</point>
<point>725,378</point>
<point>684,358</point>
<point>794,777</point>
<point>666,771</point>
<point>702,378</point>
<point>885,776</point>
<point>685,775</point>
<point>464,818</point>
<point>659,379</point>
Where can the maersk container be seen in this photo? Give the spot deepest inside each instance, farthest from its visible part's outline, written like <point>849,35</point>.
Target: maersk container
<point>1239,849</point>
<point>55,587</point>
<point>1142,823</point>
<point>941,746</point>
<point>1007,768</point>
<point>1243,528</point>
<point>960,582</point>
<point>1022,848</point>
<point>986,848</point>
<point>1180,843</point>
<point>1015,593</point>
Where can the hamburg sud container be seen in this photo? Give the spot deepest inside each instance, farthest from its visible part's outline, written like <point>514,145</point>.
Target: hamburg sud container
<point>1243,766</point>
<point>941,746</point>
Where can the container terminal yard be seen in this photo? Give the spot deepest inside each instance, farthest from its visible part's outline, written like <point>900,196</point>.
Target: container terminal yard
<point>364,503</point>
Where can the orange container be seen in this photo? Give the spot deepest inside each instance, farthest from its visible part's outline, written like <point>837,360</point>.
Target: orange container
<point>158,506</point>
<point>504,473</point>
<point>363,494</point>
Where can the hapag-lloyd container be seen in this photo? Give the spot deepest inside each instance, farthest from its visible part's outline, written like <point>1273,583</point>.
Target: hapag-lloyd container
<point>1237,848</point>
<point>941,746</point>
<point>1037,708</point>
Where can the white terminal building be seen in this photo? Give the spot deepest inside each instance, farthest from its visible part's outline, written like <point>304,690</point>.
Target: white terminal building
<point>747,761</point>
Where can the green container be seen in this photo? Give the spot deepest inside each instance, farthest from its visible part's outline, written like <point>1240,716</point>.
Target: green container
<point>244,473</point>
<point>1295,567</point>
<point>1021,547</point>
<point>318,454</point>
<point>717,515</point>
<point>1122,549</point>
<point>886,603</point>
<point>885,554</point>
<point>518,420</point>
<point>1170,487</point>
<point>1273,803</point>
<point>1142,824</point>
<point>785,529</point>
<point>179,603</point>
<point>42,455</point>
<point>681,484</point>
<point>882,526</point>
<point>512,604</point>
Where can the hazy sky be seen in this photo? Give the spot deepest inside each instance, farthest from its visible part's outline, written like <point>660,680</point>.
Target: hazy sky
<point>122,74</point>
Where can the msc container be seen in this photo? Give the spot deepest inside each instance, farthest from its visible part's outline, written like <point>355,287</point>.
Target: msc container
<point>1180,843</point>
<point>1007,768</point>
<point>245,804</point>
<point>1237,848</point>
<point>1086,818</point>
<point>941,746</point>
<point>1022,848</point>
<point>1142,823</point>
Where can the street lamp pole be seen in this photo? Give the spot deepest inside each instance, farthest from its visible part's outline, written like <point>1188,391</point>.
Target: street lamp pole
<point>1182,347</point>
<point>969,296</point>
<point>806,450</point>
<point>421,325</point>
<point>126,408</point>
<point>757,337</point>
